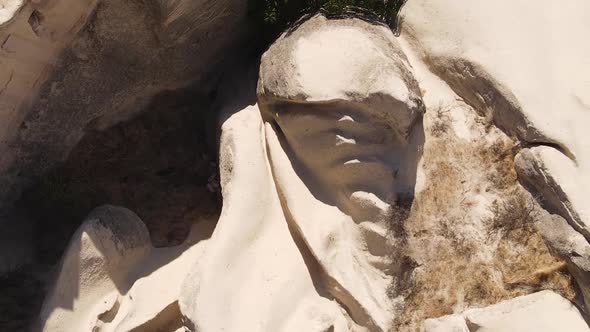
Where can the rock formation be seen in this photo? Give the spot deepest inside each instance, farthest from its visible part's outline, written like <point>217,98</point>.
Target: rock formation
<point>531,92</point>
<point>430,181</point>
<point>112,279</point>
<point>327,216</point>
<point>72,66</point>
<point>542,311</point>
<point>492,70</point>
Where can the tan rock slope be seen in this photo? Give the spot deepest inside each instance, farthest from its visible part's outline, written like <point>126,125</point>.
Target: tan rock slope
<point>375,186</point>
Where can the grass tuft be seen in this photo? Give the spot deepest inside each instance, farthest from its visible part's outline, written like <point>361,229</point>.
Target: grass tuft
<point>469,239</point>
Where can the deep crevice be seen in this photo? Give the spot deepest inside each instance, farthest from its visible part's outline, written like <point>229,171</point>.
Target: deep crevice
<point>36,22</point>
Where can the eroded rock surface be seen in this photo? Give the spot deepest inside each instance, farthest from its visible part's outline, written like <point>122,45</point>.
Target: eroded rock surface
<point>70,70</point>
<point>373,187</point>
<point>327,214</point>
<point>326,61</point>
<point>111,278</point>
<point>69,66</point>
<point>108,245</point>
<point>543,311</point>
<point>536,94</point>
<point>506,72</point>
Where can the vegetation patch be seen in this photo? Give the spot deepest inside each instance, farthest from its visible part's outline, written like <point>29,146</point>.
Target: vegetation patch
<point>470,239</point>
<point>275,16</point>
<point>441,122</point>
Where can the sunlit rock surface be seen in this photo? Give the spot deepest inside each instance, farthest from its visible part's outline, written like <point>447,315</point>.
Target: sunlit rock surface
<point>505,70</point>
<point>113,279</point>
<point>432,180</point>
<point>543,311</point>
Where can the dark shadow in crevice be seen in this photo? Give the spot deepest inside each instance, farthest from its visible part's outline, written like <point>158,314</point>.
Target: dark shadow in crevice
<point>389,19</point>
<point>161,164</point>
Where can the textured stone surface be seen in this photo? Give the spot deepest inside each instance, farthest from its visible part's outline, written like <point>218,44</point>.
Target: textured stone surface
<point>87,66</point>
<point>537,94</point>
<point>112,279</point>
<point>505,70</point>
<point>339,113</point>
<point>543,311</point>
<point>350,60</point>
<point>313,235</point>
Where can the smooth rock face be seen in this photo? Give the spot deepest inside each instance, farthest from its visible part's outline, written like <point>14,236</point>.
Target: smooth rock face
<point>313,252</point>
<point>109,244</point>
<point>342,60</point>
<point>543,311</point>
<point>112,279</point>
<point>254,275</point>
<point>505,69</point>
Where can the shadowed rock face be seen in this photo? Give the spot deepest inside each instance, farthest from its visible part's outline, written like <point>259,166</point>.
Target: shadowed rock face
<point>350,158</point>
<point>158,164</point>
<point>348,110</point>
<point>112,278</point>
<point>97,64</point>
<point>161,164</point>
<point>68,68</point>
<point>324,155</point>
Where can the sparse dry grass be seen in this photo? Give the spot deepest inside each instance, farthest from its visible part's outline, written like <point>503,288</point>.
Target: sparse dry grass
<point>441,123</point>
<point>402,264</point>
<point>459,259</point>
<point>514,216</point>
<point>523,257</point>
<point>500,154</point>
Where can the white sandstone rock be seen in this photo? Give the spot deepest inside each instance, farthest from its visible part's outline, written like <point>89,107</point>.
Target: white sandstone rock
<point>343,130</point>
<point>307,181</point>
<point>342,60</point>
<point>8,8</point>
<point>112,279</point>
<point>255,276</point>
<point>522,63</point>
<point>544,311</point>
<point>100,256</point>
<point>310,175</point>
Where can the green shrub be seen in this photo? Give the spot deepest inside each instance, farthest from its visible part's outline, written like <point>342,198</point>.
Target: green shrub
<point>276,15</point>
